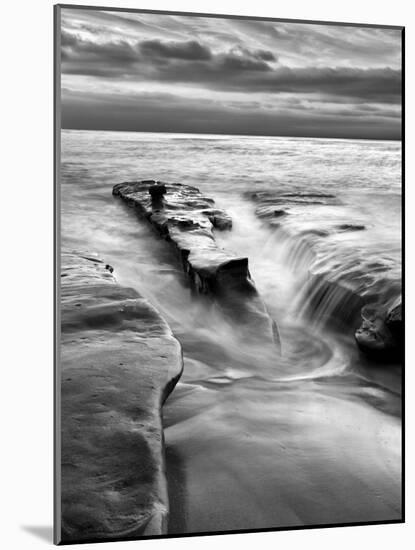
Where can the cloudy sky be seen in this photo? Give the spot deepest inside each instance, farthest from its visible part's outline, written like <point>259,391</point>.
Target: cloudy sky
<point>169,73</point>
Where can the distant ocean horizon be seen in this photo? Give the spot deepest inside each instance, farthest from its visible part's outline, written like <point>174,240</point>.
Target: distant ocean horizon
<point>344,138</point>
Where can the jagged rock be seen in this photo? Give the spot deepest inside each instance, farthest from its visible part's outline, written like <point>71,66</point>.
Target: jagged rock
<point>186,218</point>
<point>380,335</point>
<point>118,363</point>
<point>395,324</point>
<point>218,218</point>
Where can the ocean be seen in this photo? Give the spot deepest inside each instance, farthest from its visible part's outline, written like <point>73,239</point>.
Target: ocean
<point>314,437</point>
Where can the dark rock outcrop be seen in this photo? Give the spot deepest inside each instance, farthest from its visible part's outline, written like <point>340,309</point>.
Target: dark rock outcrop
<point>186,218</point>
<point>381,333</point>
<point>119,361</point>
<point>395,323</point>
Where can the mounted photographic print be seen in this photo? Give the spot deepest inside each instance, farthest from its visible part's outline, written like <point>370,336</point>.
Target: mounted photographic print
<point>229,325</point>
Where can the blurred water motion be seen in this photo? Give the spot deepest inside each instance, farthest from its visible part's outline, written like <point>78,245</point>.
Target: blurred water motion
<point>255,439</point>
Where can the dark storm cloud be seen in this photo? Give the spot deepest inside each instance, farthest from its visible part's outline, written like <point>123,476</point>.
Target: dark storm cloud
<point>170,113</point>
<point>239,58</point>
<point>372,84</point>
<point>382,85</point>
<point>190,50</point>
<point>69,39</point>
<point>265,77</point>
<point>147,51</point>
<point>189,62</point>
<point>265,55</point>
<point>230,63</point>
<point>82,52</point>
<point>140,59</point>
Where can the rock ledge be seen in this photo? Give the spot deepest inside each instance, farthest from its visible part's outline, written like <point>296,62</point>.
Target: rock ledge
<point>119,362</point>
<point>186,218</point>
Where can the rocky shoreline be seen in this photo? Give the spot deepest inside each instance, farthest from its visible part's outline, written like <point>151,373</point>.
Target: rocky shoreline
<point>349,289</point>
<point>119,362</point>
<point>187,219</point>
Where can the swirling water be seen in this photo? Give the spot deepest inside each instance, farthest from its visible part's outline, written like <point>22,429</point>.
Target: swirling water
<point>254,441</point>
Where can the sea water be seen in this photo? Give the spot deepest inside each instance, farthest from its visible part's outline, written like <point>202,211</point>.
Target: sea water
<point>314,436</point>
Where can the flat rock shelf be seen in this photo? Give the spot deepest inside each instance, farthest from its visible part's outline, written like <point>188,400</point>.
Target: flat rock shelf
<point>119,362</point>
<point>187,219</point>
<point>343,280</point>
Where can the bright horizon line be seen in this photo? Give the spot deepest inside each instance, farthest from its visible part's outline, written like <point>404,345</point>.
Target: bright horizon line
<point>230,135</point>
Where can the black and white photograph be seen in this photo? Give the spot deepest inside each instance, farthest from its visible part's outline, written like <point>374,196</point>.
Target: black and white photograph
<point>230,304</point>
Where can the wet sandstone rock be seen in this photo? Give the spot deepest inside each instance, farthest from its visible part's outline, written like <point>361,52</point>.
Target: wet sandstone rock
<point>186,219</point>
<point>119,361</point>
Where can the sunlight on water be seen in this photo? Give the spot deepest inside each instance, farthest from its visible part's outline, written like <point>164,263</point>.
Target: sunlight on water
<point>253,438</point>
